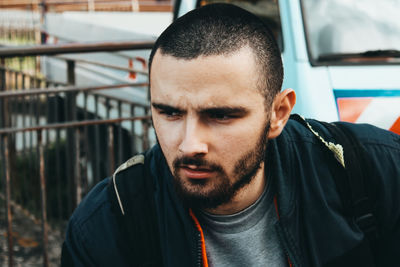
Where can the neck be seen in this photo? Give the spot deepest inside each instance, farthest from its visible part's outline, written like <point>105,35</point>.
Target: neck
<point>244,197</point>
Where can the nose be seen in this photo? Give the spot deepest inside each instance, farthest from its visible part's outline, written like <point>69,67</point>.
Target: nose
<point>194,139</point>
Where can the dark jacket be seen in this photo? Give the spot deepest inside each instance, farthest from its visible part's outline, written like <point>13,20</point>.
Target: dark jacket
<point>312,227</point>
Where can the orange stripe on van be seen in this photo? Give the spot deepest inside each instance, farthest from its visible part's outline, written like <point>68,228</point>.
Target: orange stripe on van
<point>396,126</point>
<point>351,108</point>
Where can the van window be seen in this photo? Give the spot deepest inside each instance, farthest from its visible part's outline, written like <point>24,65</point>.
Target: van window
<point>267,10</point>
<point>368,29</point>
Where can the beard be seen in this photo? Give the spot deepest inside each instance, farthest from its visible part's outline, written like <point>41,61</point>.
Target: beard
<point>220,189</point>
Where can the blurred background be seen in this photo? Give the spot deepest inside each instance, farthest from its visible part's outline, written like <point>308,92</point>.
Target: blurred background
<point>74,93</point>
<point>74,105</point>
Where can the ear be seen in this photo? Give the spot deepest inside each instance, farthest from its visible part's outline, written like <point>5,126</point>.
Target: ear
<point>280,111</point>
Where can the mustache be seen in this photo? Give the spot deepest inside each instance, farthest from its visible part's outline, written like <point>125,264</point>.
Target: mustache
<point>199,162</point>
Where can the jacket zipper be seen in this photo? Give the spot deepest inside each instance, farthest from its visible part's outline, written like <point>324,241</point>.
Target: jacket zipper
<point>199,250</point>
<point>283,243</point>
<point>201,253</point>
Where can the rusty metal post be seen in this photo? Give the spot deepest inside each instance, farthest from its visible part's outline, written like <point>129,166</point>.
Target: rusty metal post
<point>7,155</point>
<point>111,148</point>
<point>43,200</point>
<point>8,200</point>
<point>71,72</point>
<point>133,134</point>
<point>111,158</point>
<point>96,142</point>
<point>70,115</point>
<point>15,80</point>
<point>145,126</point>
<point>145,143</point>
<point>43,11</point>
<point>3,109</point>
<point>86,153</point>
<point>77,176</point>
<point>71,98</point>
<point>74,48</point>
<point>120,136</point>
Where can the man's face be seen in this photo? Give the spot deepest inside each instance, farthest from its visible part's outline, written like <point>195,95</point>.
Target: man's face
<point>210,122</point>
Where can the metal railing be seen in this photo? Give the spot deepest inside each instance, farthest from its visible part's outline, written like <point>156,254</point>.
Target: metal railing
<point>89,5</point>
<point>57,139</point>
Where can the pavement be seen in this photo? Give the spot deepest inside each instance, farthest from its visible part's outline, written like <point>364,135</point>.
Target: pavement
<point>27,240</point>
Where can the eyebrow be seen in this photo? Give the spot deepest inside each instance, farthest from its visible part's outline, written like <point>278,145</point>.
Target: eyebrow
<point>225,110</point>
<point>211,110</point>
<point>165,107</point>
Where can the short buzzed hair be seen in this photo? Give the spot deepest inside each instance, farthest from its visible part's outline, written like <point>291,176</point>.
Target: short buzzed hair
<point>221,29</point>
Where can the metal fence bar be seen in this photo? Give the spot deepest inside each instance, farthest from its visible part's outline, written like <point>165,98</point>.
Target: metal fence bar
<point>108,5</point>
<point>58,173</point>
<point>111,148</point>
<point>87,153</point>
<point>48,50</point>
<point>31,162</point>
<point>70,113</point>
<point>96,63</point>
<point>108,107</point>
<point>119,140</point>
<point>23,80</point>
<point>37,101</point>
<point>96,140</point>
<point>145,127</point>
<point>77,176</point>
<point>47,112</point>
<point>2,89</point>
<point>43,200</point>
<point>8,201</point>
<point>133,139</point>
<point>68,89</point>
<point>111,158</point>
<point>7,83</point>
<point>24,105</point>
<point>72,124</point>
<point>15,80</point>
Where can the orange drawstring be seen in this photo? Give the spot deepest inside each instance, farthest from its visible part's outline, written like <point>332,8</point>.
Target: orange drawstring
<point>203,243</point>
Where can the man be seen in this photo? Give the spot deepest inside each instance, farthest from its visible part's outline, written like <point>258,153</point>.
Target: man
<point>233,181</point>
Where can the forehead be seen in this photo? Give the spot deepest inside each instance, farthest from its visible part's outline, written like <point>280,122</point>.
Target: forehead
<point>207,80</point>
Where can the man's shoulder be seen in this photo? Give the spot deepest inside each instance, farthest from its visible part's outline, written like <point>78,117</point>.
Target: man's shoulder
<point>366,134</point>
<point>98,199</point>
<point>95,201</point>
<point>298,133</point>
<point>92,235</point>
<point>371,135</point>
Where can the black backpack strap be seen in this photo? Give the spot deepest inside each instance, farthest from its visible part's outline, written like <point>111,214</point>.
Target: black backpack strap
<point>131,192</point>
<point>361,193</point>
<point>355,187</point>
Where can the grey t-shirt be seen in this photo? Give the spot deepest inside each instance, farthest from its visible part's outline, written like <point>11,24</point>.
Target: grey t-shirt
<point>247,238</point>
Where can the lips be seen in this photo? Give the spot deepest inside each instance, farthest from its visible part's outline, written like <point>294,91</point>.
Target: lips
<point>196,172</point>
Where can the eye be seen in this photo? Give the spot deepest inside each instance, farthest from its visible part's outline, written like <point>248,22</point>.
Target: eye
<point>221,116</point>
<point>171,114</point>
<point>166,111</point>
<point>224,114</point>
